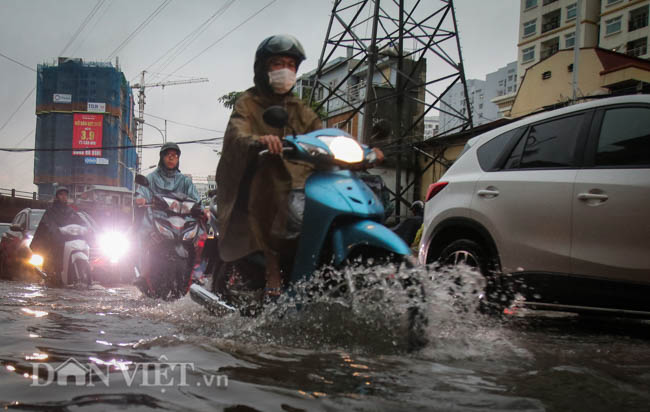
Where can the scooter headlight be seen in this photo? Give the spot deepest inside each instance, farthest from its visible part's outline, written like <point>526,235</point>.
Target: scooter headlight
<point>36,260</point>
<point>190,234</point>
<point>164,231</point>
<point>187,206</point>
<point>344,148</point>
<point>113,245</point>
<point>173,204</point>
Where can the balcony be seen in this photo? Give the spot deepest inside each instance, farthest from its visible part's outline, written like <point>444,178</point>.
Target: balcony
<point>637,22</point>
<point>551,20</point>
<point>548,52</point>
<point>637,51</point>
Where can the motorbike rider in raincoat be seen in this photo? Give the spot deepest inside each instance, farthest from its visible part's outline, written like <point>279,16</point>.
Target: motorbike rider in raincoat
<point>254,191</point>
<point>167,176</point>
<point>47,240</point>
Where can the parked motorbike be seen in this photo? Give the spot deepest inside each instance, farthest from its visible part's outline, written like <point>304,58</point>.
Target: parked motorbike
<point>173,235</point>
<point>339,222</point>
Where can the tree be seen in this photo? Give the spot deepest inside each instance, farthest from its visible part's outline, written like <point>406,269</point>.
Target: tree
<point>228,100</point>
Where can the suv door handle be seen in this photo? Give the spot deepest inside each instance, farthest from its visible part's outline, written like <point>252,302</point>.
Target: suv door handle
<point>488,193</point>
<point>592,196</point>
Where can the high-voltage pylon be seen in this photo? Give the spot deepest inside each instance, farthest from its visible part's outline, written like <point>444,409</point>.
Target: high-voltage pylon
<point>400,57</point>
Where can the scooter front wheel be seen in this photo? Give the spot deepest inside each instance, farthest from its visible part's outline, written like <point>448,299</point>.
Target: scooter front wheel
<point>82,272</point>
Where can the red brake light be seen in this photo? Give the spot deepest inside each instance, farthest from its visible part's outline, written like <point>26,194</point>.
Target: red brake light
<point>434,188</point>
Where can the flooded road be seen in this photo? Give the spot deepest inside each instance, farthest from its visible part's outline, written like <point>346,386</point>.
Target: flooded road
<point>111,348</point>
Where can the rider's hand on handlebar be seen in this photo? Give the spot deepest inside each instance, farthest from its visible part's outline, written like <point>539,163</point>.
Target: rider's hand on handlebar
<point>274,143</point>
<point>379,154</point>
<point>140,201</point>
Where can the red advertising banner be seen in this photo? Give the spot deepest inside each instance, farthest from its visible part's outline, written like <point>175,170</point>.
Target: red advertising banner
<point>87,134</point>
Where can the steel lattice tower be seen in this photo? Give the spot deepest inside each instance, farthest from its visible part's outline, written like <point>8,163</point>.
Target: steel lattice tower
<point>408,54</point>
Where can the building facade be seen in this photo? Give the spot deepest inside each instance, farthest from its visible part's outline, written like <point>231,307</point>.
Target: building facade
<point>85,127</point>
<point>624,27</point>
<point>502,82</point>
<point>546,26</point>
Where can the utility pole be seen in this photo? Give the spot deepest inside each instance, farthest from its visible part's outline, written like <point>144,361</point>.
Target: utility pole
<point>141,99</point>
<point>408,52</point>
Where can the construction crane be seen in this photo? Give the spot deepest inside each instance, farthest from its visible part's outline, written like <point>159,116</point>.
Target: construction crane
<point>141,97</point>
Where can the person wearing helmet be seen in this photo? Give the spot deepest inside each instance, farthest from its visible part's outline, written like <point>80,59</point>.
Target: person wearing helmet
<point>167,176</point>
<point>253,189</point>
<point>47,240</point>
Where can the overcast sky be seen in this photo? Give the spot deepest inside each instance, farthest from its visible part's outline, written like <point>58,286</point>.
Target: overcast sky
<point>37,31</point>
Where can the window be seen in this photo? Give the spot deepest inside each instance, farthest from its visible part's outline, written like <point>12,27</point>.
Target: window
<point>510,78</point>
<point>609,2</point>
<point>548,2</point>
<point>637,47</point>
<point>528,54</point>
<point>624,138</point>
<point>548,145</point>
<point>546,75</point>
<point>19,220</point>
<point>571,11</point>
<point>638,19</point>
<point>530,27</point>
<point>569,40</point>
<point>530,4</point>
<point>492,151</point>
<point>551,20</point>
<point>613,26</point>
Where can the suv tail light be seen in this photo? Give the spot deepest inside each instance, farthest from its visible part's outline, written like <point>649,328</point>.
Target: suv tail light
<point>434,188</point>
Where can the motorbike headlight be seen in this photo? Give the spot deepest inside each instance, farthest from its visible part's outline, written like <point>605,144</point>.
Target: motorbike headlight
<point>113,245</point>
<point>312,149</point>
<point>190,234</point>
<point>344,148</point>
<point>173,204</point>
<point>187,207</point>
<point>36,260</point>
<point>164,231</point>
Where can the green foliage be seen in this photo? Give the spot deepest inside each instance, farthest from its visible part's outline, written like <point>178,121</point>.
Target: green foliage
<point>228,100</point>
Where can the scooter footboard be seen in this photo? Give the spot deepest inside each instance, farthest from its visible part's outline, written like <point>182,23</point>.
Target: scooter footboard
<point>365,233</point>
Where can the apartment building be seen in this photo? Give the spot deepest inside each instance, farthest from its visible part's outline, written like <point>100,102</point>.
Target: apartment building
<point>502,82</point>
<point>546,26</point>
<point>624,26</point>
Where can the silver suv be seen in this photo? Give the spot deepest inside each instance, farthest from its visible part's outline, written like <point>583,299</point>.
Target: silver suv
<point>554,207</point>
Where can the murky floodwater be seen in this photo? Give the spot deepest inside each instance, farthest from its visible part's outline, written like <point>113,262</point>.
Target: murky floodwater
<point>110,348</point>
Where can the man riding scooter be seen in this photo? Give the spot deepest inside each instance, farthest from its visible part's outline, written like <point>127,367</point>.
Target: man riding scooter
<point>47,240</point>
<point>166,179</point>
<point>254,190</point>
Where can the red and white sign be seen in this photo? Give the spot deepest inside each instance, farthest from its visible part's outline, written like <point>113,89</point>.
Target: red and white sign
<point>87,134</point>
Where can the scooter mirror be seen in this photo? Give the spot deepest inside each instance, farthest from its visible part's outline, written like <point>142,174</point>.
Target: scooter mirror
<point>141,180</point>
<point>276,116</point>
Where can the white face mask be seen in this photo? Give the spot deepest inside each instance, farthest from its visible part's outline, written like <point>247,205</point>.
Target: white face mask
<point>282,80</point>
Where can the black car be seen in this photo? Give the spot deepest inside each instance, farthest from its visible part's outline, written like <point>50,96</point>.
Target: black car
<point>14,245</point>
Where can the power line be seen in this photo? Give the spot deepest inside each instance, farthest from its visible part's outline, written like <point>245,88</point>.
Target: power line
<point>184,124</point>
<point>182,45</point>
<point>138,29</point>
<point>17,62</point>
<point>224,36</point>
<point>83,24</point>
<point>18,108</point>
<point>101,16</point>
<point>145,146</point>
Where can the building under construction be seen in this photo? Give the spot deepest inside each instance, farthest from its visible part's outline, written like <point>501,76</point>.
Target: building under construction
<point>85,127</point>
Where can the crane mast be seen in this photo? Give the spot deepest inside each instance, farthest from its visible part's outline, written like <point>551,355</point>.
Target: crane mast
<point>141,99</point>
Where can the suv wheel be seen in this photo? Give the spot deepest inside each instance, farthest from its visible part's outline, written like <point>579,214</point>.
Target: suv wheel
<point>465,251</point>
<point>497,295</point>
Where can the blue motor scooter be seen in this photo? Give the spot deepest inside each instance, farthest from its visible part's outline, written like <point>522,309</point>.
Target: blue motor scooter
<point>341,221</point>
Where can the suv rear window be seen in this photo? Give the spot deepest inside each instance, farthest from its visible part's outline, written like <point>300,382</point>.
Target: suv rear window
<point>624,138</point>
<point>550,144</point>
<point>491,152</point>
